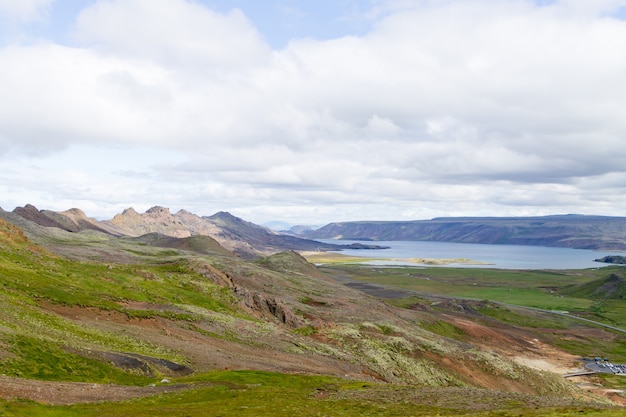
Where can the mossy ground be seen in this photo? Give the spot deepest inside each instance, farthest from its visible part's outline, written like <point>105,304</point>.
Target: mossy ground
<point>257,394</point>
<point>37,344</point>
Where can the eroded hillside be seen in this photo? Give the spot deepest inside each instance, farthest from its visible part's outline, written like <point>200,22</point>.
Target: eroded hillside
<point>179,314</point>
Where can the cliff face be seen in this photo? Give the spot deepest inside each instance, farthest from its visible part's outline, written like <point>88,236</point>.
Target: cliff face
<point>572,231</point>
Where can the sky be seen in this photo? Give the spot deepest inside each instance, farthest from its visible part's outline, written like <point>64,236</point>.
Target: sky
<point>314,111</point>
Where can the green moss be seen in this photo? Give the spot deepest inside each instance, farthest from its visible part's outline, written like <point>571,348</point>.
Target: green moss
<point>386,329</point>
<point>305,330</point>
<point>171,315</point>
<point>444,328</point>
<point>506,315</point>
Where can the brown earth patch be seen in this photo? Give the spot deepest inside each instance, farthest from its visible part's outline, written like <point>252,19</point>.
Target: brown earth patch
<point>545,357</point>
<point>583,332</point>
<point>480,332</point>
<point>209,346</point>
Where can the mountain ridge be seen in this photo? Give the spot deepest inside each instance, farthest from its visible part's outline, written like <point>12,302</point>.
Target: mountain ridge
<point>572,231</point>
<point>251,240</point>
<point>234,234</point>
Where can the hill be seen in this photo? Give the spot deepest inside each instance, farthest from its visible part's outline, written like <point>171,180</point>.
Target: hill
<point>612,287</point>
<point>572,231</point>
<point>182,315</point>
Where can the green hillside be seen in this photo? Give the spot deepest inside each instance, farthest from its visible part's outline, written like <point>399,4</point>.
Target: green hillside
<point>42,345</point>
<point>180,332</point>
<point>612,287</point>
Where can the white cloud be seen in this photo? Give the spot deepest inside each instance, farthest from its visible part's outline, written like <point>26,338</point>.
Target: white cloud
<point>23,10</point>
<point>173,33</point>
<point>476,105</point>
<point>589,8</point>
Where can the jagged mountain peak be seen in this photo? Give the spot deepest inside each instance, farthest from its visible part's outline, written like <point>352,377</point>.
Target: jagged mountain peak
<point>27,210</point>
<point>158,211</point>
<point>32,213</point>
<point>244,238</point>
<point>72,220</point>
<point>129,212</point>
<point>224,218</point>
<point>29,207</point>
<point>223,215</point>
<point>75,212</point>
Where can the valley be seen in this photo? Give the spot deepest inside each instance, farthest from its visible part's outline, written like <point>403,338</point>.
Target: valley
<point>97,322</point>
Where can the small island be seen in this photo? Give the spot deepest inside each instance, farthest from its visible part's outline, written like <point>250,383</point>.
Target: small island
<point>363,246</point>
<point>612,259</point>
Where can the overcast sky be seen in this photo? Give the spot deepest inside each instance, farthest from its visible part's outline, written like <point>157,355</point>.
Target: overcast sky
<point>312,111</point>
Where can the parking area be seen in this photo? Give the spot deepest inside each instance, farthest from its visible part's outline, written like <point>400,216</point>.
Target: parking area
<point>604,365</point>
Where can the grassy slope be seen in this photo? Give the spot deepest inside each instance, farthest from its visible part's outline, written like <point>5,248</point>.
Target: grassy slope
<point>539,289</point>
<point>38,344</point>
<point>572,291</point>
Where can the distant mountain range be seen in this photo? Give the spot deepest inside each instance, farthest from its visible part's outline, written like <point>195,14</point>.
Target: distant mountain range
<point>571,231</point>
<point>156,224</point>
<point>159,227</point>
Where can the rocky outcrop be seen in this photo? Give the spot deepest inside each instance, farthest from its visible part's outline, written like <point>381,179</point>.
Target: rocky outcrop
<point>612,259</point>
<point>215,275</point>
<point>267,306</point>
<point>259,303</point>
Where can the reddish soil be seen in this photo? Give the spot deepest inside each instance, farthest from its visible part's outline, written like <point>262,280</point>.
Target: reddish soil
<point>208,346</point>
<point>251,351</point>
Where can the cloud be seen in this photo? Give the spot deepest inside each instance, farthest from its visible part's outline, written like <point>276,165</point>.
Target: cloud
<point>23,10</point>
<point>475,105</point>
<point>589,8</point>
<point>172,33</point>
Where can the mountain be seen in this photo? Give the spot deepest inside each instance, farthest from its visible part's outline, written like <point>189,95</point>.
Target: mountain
<point>72,220</point>
<point>232,233</point>
<point>238,230</point>
<point>572,231</point>
<point>300,230</point>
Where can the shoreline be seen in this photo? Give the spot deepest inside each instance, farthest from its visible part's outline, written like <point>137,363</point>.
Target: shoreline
<point>316,257</point>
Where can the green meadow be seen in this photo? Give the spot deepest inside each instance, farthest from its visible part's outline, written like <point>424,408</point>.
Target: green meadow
<point>546,290</point>
<point>258,394</point>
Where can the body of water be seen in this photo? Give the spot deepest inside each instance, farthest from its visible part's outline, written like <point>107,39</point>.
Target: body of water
<point>494,256</point>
